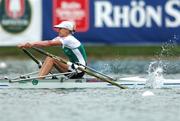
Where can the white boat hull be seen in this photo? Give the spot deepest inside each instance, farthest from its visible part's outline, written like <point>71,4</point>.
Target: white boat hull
<point>83,83</point>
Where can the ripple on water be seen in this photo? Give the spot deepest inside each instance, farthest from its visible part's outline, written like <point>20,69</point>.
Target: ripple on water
<point>89,104</point>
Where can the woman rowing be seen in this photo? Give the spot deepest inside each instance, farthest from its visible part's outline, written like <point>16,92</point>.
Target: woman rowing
<point>72,48</point>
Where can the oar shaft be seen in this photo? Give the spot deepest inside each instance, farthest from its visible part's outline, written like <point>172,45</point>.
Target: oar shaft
<point>32,57</point>
<point>50,55</point>
<point>101,78</point>
<point>96,71</point>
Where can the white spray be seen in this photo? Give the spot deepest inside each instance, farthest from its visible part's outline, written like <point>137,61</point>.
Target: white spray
<point>157,68</point>
<point>155,75</point>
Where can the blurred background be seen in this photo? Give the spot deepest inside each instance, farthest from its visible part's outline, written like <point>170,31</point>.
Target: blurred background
<point>123,38</point>
<point>107,28</point>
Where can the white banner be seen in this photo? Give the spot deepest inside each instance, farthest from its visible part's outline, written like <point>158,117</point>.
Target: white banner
<point>21,21</point>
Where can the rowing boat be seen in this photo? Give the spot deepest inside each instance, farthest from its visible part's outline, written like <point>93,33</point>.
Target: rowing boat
<point>100,80</point>
<point>63,83</point>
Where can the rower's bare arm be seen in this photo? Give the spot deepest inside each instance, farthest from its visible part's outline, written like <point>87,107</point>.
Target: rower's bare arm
<point>40,44</point>
<point>46,43</point>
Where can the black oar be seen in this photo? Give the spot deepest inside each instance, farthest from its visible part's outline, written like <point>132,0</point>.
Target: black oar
<point>39,63</point>
<point>95,71</point>
<point>89,72</point>
<point>33,58</point>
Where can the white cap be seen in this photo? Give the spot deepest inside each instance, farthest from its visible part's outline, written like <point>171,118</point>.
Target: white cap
<point>66,25</point>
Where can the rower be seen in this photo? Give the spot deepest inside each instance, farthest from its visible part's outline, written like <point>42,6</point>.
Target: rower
<point>71,46</point>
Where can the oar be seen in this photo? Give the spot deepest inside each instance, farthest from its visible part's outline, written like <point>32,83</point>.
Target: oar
<point>111,81</point>
<point>95,71</point>
<point>39,63</point>
<point>32,57</point>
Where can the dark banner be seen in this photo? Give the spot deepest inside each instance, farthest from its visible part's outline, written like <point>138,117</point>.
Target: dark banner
<point>116,21</point>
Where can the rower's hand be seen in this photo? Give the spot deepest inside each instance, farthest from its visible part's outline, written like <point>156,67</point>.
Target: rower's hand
<point>25,45</point>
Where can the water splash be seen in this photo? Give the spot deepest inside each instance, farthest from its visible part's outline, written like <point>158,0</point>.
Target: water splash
<point>155,75</point>
<point>158,67</point>
<point>167,48</point>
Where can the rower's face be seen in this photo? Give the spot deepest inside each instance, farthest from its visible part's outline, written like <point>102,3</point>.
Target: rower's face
<point>63,32</point>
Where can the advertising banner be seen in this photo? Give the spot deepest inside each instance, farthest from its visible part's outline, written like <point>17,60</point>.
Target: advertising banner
<point>116,21</point>
<point>20,21</point>
<point>75,10</point>
<point>124,22</point>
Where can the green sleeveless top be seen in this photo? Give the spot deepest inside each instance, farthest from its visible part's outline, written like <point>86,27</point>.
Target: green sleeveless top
<point>76,55</point>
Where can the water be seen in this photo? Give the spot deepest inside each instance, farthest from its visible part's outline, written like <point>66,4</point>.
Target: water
<point>92,104</point>
<point>89,105</point>
<point>155,77</point>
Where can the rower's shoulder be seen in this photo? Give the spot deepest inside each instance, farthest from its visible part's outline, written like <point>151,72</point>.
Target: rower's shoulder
<point>71,37</point>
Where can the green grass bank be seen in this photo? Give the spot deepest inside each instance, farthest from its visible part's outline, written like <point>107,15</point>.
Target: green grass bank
<point>101,52</point>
